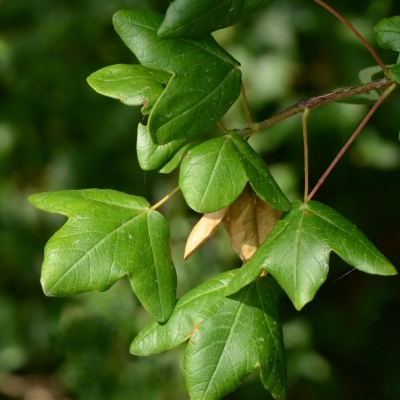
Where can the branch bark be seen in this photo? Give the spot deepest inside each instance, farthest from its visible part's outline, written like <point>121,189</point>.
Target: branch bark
<point>313,103</point>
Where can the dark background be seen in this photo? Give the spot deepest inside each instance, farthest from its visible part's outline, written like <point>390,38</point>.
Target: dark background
<point>57,133</point>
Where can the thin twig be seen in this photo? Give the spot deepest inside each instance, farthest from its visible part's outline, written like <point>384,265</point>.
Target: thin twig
<point>352,138</point>
<point>246,107</point>
<point>167,197</point>
<point>357,34</point>
<point>305,144</point>
<point>312,103</point>
<point>223,129</point>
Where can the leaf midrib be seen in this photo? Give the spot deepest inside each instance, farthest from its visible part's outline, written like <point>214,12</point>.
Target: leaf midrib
<point>75,265</point>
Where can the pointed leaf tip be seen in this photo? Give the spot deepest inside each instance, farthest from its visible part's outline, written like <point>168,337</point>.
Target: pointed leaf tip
<point>221,350</point>
<point>108,235</point>
<point>296,253</point>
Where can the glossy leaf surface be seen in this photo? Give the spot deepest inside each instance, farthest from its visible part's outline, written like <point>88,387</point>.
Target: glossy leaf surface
<point>388,33</point>
<point>259,176</point>
<point>205,83</point>
<point>297,251</point>
<point>228,337</point>
<point>134,85</point>
<point>150,155</point>
<point>108,235</point>
<point>221,167</point>
<point>212,175</point>
<point>188,18</point>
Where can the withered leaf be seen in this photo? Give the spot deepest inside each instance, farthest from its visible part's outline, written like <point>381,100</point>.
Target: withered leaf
<point>203,230</point>
<point>249,221</point>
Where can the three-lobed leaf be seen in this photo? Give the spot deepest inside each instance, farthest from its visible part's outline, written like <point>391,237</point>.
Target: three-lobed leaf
<point>221,167</point>
<point>194,19</point>
<point>133,85</point>
<point>211,175</point>
<point>296,252</point>
<point>205,78</point>
<point>229,337</point>
<point>108,235</point>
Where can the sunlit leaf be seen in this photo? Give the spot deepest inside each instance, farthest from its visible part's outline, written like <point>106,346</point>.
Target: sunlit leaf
<point>134,85</point>
<point>229,337</point>
<point>388,33</point>
<point>108,235</point>
<point>211,175</point>
<point>297,251</point>
<point>205,81</point>
<point>188,18</point>
<point>221,167</point>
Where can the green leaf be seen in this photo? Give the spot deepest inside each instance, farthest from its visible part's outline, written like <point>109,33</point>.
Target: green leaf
<point>222,349</point>
<point>175,160</point>
<point>194,19</point>
<point>296,252</point>
<point>259,176</point>
<point>388,33</point>
<point>205,82</point>
<point>212,175</point>
<point>150,155</point>
<point>134,85</point>
<point>108,235</point>
<point>395,72</point>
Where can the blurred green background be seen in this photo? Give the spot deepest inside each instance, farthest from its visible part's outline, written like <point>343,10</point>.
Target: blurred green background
<point>57,133</point>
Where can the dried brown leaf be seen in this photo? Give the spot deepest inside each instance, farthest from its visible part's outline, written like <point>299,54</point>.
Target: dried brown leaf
<point>249,221</point>
<point>203,230</point>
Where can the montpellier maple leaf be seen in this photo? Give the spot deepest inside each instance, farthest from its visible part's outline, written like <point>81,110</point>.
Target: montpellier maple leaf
<point>229,337</point>
<point>296,253</point>
<point>205,79</point>
<point>108,235</point>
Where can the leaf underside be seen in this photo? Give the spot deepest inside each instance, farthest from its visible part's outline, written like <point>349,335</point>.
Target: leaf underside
<point>222,349</point>
<point>296,252</point>
<point>108,235</point>
<point>133,85</point>
<point>387,33</point>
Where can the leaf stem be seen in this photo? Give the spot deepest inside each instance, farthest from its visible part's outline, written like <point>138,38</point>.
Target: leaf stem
<point>305,145</point>
<point>222,127</point>
<point>167,197</point>
<point>357,34</point>
<point>246,107</point>
<point>312,103</point>
<point>352,138</point>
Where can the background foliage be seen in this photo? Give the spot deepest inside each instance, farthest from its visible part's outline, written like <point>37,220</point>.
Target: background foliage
<point>57,133</point>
